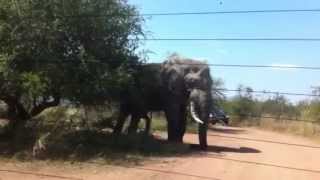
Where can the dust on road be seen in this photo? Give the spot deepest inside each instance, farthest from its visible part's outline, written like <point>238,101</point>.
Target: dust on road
<point>234,153</point>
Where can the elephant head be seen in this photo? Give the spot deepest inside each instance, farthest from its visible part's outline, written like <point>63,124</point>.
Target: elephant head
<point>199,83</point>
<point>191,80</point>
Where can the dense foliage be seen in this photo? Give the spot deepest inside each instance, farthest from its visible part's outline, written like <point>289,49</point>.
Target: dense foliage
<point>82,51</point>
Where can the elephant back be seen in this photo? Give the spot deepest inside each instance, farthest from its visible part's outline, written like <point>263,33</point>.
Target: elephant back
<point>150,86</point>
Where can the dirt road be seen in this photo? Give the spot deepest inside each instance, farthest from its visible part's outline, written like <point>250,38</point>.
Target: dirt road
<point>233,154</point>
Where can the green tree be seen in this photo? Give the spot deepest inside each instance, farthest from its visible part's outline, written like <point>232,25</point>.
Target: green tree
<point>310,109</point>
<point>79,50</point>
<point>279,106</point>
<point>243,104</point>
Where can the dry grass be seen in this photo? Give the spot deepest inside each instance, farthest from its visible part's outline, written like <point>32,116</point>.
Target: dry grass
<point>305,129</point>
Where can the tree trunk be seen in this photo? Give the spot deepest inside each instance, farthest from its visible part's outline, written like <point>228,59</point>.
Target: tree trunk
<point>17,115</point>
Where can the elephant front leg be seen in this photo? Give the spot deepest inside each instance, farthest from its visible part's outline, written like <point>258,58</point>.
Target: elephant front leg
<point>182,123</point>
<point>173,116</point>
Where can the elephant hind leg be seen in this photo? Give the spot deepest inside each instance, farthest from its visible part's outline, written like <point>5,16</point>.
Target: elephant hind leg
<point>119,126</point>
<point>182,123</point>
<point>133,127</point>
<point>148,125</point>
<point>171,133</point>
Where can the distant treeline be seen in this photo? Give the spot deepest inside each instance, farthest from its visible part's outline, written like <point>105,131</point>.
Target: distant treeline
<point>244,105</point>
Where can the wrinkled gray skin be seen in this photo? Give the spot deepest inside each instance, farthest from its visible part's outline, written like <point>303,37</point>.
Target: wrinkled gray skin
<point>170,87</point>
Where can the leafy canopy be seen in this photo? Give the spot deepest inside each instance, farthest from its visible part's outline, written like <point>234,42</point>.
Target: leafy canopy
<point>83,50</point>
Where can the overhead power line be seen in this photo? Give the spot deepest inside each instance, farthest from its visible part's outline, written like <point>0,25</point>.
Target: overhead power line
<point>259,66</point>
<point>274,118</point>
<point>265,66</point>
<point>234,39</point>
<point>262,140</point>
<point>42,175</point>
<point>263,11</point>
<point>263,164</point>
<point>193,64</point>
<point>233,12</point>
<point>289,39</point>
<point>269,92</point>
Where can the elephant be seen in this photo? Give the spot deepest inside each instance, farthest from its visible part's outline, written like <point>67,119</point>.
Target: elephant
<point>171,86</point>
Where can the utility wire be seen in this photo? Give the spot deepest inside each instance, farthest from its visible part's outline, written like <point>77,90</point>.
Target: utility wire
<point>261,92</point>
<point>268,92</point>
<point>255,66</point>
<point>235,39</point>
<point>261,140</point>
<point>191,64</point>
<point>234,12</point>
<point>248,115</point>
<point>265,66</point>
<point>264,11</point>
<point>218,65</point>
<point>38,174</point>
<point>264,164</point>
<point>289,39</point>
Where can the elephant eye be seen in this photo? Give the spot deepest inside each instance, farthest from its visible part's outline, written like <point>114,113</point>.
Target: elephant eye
<point>195,69</point>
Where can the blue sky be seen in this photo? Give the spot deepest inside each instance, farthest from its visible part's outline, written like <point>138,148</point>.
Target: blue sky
<point>272,25</point>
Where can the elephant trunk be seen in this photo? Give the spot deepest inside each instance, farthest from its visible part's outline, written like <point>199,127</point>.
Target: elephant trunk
<point>200,104</point>
<point>202,129</point>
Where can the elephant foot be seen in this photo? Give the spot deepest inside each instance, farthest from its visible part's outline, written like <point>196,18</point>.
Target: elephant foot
<point>203,147</point>
<point>203,143</point>
<point>197,147</point>
<point>180,139</point>
<point>132,129</point>
<point>175,139</point>
<point>116,132</point>
<point>146,133</point>
<point>132,132</point>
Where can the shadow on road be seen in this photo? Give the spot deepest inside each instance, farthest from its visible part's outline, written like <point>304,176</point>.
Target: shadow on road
<point>84,145</point>
<point>221,149</point>
<point>227,130</point>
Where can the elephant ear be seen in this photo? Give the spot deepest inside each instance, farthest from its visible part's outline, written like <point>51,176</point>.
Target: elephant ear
<point>205,76</point>
<point>173,79</point>
<point>204,72</point>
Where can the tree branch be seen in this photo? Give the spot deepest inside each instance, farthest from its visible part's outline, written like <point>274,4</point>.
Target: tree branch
<point>44,105</point>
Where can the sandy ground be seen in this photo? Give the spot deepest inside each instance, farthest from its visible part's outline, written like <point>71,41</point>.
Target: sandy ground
<point>234,153</point>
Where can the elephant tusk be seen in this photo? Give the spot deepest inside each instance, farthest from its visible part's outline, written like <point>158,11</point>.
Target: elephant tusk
<point>193,113</point>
